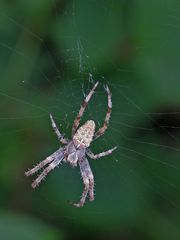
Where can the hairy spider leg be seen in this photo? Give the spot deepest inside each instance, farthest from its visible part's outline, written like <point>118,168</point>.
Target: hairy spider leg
<point>102,130</point>
<point>88,181</point>
<point>42,164</point>
<point>82,109</point>
<point>99,155</point>
<point>91,187</point>
<point>57,132</point>
<point>51,166</point>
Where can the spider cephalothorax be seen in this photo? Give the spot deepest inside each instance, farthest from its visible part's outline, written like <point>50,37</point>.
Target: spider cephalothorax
<point>75,151</point>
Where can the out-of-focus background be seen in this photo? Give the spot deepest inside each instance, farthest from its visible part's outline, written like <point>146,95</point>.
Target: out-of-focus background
<point>51,53</point>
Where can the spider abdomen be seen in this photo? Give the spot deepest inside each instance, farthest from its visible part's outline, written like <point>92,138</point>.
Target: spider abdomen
<point>84,135</point>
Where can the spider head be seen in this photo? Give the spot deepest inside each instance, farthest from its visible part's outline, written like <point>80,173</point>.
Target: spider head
<point>84,135</point>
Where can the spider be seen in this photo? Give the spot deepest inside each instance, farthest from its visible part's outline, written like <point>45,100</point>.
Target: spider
<point>75,151</point>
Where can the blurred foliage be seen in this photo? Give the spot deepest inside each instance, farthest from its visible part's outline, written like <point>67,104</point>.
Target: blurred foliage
<point>16,226</point>
<point>50,52</point>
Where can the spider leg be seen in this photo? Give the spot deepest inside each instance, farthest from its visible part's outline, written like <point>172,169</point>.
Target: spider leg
<point>99,155</point>
<point>57,154</point>
<point>51,166</point>
<point>40,165</point>
<point>56,130</point>
<point>91,187</point>
<point>88,181</point>
<point>82,108</point>
<point>107,117</point>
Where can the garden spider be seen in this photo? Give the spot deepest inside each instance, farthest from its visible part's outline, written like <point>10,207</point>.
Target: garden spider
<point>75,151</point>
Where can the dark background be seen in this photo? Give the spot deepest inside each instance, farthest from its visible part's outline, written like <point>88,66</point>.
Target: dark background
<point>51,52</point>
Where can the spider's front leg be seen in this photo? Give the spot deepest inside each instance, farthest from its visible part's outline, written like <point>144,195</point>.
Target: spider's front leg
<point>54,160</point>
<point>51,166</point>
<point>41,164</point>
<point>88,180</point>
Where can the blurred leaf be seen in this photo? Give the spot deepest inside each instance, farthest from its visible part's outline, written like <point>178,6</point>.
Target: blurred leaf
<point>15,227</point>
<point>91,37</point>
<point>158,52</point>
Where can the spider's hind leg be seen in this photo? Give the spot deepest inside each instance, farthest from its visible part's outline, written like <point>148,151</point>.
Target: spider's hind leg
<point>102,130</point>
<point>57,132</point>
<point>82,109</point>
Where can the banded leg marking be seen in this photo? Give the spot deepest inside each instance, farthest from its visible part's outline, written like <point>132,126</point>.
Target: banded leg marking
<point>82,109</point>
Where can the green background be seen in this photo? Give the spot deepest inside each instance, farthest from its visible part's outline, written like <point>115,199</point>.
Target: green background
<point>51,52</point>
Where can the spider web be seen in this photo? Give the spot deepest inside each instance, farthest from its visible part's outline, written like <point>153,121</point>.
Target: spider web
<point>56,69</point>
